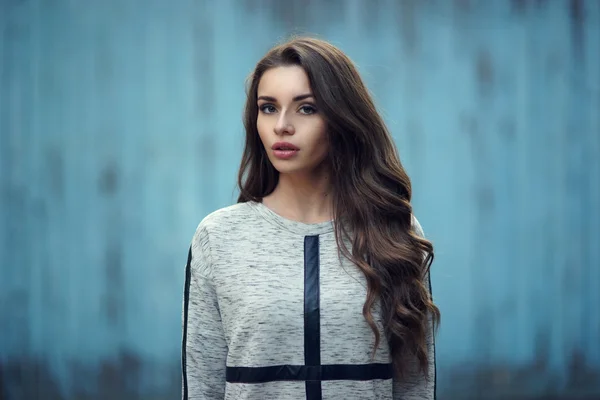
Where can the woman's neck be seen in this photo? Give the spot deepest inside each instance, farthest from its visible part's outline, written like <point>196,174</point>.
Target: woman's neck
<point>302,198</point>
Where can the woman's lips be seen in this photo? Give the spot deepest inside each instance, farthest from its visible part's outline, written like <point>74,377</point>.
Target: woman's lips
<point>284,150</point>
<point>284,154</point>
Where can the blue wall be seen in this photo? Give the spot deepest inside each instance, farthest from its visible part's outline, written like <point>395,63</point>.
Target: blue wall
<point>120,128</point>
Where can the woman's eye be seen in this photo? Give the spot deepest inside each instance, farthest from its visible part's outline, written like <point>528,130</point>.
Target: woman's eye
<point>308,110</point>
<point>267,109</point>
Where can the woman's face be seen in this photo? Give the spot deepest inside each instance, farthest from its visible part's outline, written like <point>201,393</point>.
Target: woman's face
<point>291,128</point>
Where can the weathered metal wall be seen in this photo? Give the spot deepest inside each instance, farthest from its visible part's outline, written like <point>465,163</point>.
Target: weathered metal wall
<point>120,129</point>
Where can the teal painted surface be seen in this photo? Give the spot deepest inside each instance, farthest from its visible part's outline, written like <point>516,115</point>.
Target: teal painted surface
<point>120,128</point>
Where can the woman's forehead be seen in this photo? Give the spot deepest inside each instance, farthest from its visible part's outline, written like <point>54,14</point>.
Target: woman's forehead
<point>284,83</point>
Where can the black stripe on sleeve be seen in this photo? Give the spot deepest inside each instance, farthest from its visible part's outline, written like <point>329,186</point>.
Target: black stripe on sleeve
<point>186,300</point>
<point>434,355</point>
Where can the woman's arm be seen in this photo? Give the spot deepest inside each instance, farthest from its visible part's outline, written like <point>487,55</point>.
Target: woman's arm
<point>417,386</point>
<point>204,350</point>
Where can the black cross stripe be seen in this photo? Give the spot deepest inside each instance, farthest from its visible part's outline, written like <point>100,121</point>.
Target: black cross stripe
<point>313,372</point>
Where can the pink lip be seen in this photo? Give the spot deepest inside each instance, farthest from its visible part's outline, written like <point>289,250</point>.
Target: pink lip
<point>284,145</point>
<point>284,150</point>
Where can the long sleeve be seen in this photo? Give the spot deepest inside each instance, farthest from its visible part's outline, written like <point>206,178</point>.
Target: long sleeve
<point>416,386</point>
<point>204,349</point>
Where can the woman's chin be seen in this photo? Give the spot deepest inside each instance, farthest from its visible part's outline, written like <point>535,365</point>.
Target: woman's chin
<point>286,166</point>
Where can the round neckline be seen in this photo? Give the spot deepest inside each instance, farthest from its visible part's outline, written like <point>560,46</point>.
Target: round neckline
<point>300,228</point>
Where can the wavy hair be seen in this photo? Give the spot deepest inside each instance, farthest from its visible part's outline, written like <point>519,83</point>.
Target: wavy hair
<point>371,194</point>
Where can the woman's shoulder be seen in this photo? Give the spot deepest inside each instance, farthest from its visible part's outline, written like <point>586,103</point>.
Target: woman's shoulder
<point>416,226</point>
<point>225,221</point>
<point>227,214</point>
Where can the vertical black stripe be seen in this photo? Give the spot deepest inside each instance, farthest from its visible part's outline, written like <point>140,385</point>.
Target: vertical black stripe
<point>434,355</point>
<point>312,315</point>
<point>186,300</point>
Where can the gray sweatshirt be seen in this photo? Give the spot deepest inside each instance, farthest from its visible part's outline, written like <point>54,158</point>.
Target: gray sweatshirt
<point>271,311</point>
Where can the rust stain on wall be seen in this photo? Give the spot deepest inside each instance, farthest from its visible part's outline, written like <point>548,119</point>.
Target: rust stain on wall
<point>114,298</point>
<point>406,15</point>
<point>577,13</point>
<point>121,378</point>
<point>55,170</point>
<point>485,72</point>
<point>108,181</point>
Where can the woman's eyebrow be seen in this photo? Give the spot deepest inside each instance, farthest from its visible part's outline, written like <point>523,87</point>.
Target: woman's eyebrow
<point>296,98</point>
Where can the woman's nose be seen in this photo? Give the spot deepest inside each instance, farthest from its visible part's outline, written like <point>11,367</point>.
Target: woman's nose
<point>284,126</point>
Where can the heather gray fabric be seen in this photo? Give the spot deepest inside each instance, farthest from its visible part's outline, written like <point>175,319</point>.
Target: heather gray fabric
<point>244,307</point>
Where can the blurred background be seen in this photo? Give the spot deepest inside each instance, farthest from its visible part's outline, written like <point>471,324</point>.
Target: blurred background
<point>120,129</point>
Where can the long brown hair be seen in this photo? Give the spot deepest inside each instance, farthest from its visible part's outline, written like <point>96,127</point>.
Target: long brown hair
<point>371,193</point>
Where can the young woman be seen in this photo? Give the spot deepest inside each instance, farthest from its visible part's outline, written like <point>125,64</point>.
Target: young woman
<point>315,285</point>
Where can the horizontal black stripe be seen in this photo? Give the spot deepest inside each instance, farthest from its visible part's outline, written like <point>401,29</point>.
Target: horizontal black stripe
<point>335,372</point>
